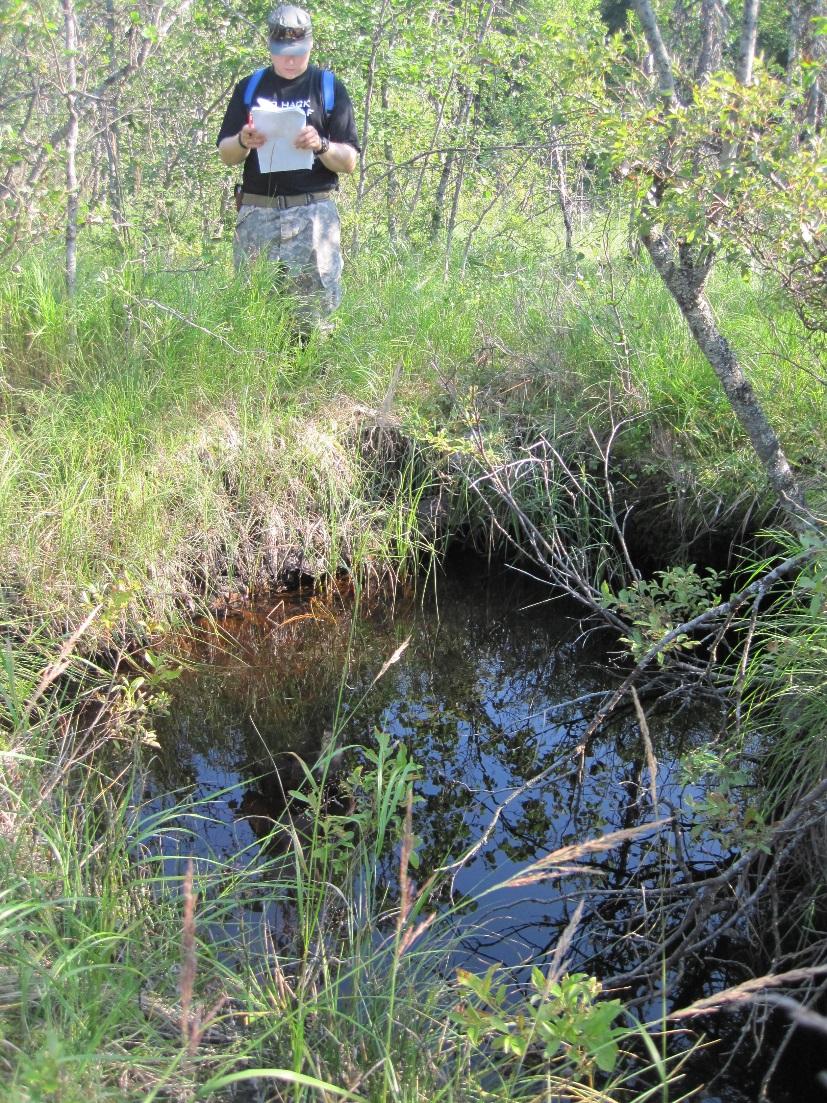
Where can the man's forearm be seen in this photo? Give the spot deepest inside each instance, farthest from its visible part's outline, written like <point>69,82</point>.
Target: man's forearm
<point>340,157</point>
<point>231,152</point>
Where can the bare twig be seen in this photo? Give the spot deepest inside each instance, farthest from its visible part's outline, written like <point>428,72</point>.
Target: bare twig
<point>801,1016</point>
<point>651,761</point>
<point>54,670</point>
<point>456,866</point>
<point>258,353</point>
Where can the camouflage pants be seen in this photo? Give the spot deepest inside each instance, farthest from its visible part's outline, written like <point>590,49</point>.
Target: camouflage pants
<point>304,242</point>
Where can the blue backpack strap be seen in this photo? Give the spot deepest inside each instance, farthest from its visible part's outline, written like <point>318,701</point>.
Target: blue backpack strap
<point>328,92</point>
<point>252,84</point>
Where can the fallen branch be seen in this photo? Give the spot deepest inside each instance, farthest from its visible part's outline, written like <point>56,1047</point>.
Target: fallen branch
<point>751,990</point>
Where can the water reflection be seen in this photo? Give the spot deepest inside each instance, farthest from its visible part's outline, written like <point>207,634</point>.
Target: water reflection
<point>496,686</point>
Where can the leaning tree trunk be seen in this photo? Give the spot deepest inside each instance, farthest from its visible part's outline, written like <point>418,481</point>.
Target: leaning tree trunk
<point>684,272</point>
<point>685,281</point>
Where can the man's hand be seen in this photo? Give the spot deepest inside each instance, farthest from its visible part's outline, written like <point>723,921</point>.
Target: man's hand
<point>252,138</point>
<point>307,138</point>
<point>339,156</point>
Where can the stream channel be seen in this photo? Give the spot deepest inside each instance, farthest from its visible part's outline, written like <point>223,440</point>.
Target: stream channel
<point>496,683</point>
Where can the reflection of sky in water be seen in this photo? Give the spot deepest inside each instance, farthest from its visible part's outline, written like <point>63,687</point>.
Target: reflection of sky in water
<point>488,693</point>
<point>476,755</point>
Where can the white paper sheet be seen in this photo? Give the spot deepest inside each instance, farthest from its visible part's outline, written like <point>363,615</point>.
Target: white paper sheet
<point>281,125</point>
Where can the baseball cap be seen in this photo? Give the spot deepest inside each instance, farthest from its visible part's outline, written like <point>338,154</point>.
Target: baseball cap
<point>289,30</point>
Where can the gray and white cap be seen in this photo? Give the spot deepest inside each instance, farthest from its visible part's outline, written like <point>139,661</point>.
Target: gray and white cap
<point>289,30</point>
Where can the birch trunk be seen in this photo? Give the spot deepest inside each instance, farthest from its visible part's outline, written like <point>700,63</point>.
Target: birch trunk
<point>70,90</point>
<point>660,55</point>
<point>685,281</point>
<point>684,274</point>
<point>746,45</point>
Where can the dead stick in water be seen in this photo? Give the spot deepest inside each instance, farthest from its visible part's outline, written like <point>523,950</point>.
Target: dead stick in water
<point>750,990</point>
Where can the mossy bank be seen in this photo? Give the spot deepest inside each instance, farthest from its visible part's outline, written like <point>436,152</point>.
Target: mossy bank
<point>165,428</point>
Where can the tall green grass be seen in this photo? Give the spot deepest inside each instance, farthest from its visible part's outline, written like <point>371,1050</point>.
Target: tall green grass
<point>785,681</point>
<point>165,426</point>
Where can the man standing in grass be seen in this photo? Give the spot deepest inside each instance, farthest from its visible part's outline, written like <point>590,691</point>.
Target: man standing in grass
<point>288,215</point>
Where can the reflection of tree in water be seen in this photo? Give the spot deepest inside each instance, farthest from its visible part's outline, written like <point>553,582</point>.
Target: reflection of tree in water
<point>262,691</point>
<point>479,699</point>
<point>485,698</point>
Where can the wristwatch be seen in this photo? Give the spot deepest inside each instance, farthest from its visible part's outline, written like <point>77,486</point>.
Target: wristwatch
<point>324,147</point>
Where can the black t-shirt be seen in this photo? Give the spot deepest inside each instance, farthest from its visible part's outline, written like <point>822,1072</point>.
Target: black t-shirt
<point>304,91</point>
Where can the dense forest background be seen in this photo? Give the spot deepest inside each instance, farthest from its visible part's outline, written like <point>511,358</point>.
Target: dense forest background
<point>483,124</point>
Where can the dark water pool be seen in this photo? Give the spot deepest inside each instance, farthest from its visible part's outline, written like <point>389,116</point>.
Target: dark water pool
<point>496,685</point>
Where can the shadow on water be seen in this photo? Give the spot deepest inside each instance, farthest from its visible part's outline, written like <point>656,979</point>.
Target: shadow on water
<point>495,685</point>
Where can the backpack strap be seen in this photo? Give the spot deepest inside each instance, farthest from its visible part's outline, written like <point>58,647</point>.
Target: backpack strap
<point>326,93</point>
<point>252,84</point>
<point>328,90</point>
<point>327,82</point>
